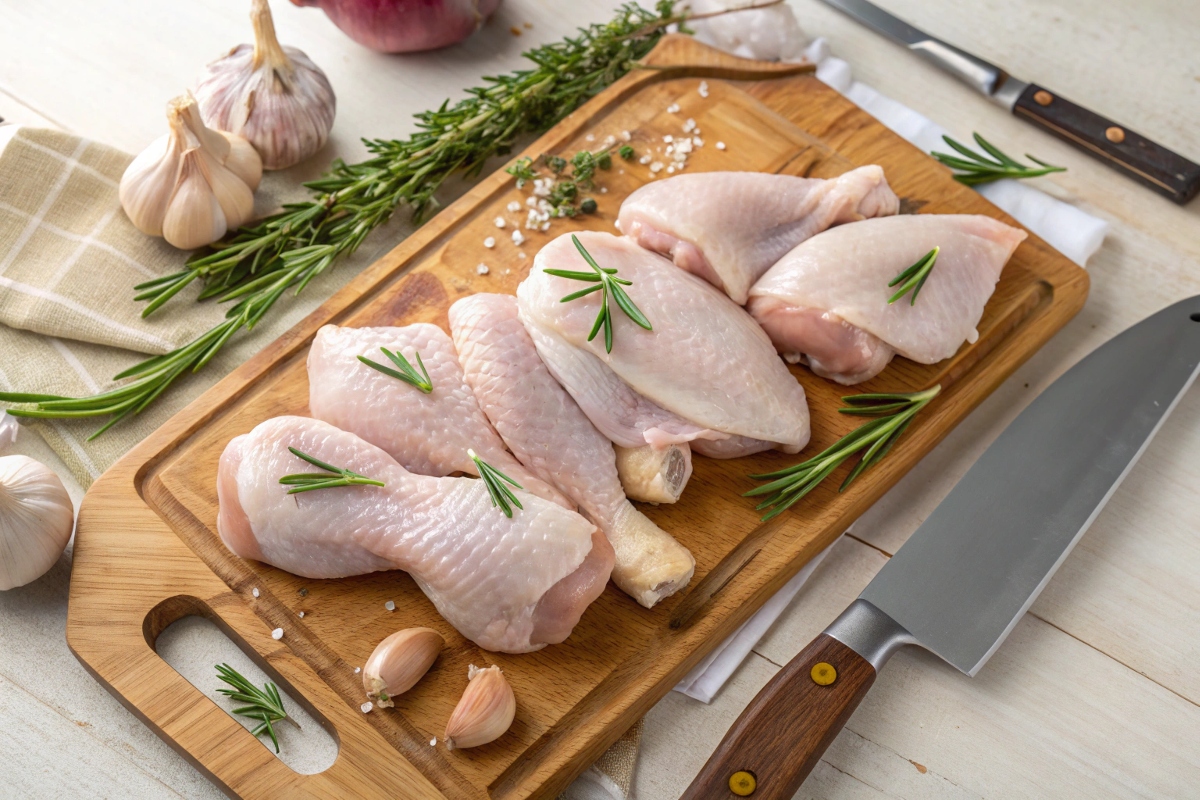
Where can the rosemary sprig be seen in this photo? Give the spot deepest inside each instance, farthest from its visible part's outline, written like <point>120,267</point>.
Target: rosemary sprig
<point>914,277</point>
<point>311,481</point>
<point>607,283</point>
<point>893,413</point>
<point>496,481</point>
<point>976,168</point>
<point>287,250</point>
<point>263,704</point>
<point>404,370</point>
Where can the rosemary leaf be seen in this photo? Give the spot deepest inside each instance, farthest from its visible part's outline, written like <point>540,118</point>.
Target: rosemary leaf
<point>976,168</point>
<point>913,278</point>
<point>874,439</point>
<point>607,283</point>
<point>263,704</point>
<point>404,370</point>
<point>496,481</point>
<point>331,478</point>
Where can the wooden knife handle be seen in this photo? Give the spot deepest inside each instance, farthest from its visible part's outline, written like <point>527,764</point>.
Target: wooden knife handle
<point>1152,164</point>
<point>781,735</point>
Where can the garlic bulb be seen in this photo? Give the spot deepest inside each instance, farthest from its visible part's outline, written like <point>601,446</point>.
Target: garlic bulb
<point>36,518</point>
<point>485,711</point>
<point>192,185</point>
<point>274,96</point>
<point>398,662</point>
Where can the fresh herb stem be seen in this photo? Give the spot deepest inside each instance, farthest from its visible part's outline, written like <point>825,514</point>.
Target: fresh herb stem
<point>287,250</point>
<point>608,284</point>
<point>497,485</point>
<point>893,413</point>
<point>913,278</point>
<point>263,704</point>
<point>976,168</point>
<point>405,371</point>
<point>311,481</point>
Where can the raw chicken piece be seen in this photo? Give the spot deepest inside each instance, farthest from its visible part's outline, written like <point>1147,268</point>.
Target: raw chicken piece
<point>730,227</point>
<point>705,372</point>
<point>427,433</point>
<point>547,431</point>
<point>770,33</point>
<point>512,585</point>
<point>827,300</point>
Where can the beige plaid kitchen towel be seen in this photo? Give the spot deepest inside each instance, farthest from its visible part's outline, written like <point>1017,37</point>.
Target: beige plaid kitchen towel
<point>69,259</point>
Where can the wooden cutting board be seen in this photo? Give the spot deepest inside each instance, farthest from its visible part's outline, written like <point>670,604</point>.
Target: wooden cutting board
<point>147,552</point>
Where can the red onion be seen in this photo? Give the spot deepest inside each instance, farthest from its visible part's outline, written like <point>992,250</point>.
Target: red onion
<point>405,26</point>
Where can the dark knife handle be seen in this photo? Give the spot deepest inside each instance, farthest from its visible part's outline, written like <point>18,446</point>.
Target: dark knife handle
<point>781,735</point>
<point>1154,165</point>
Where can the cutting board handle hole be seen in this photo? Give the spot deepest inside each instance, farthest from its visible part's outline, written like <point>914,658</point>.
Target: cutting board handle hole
<point>194,644</point>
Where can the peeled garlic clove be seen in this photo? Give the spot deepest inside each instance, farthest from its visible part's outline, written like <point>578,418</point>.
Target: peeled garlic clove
<point>194,217</point>
<point>485,711</point>
<point>274,96</point>
<point>36,519</point>
<point>398,662</point>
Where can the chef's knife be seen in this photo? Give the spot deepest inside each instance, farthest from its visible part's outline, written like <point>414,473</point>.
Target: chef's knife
<point>969,573</point>
<point>1119,147</point>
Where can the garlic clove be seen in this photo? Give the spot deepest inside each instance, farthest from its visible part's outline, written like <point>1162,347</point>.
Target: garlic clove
<point>398,662</point>
<point>148,183</point>
<point>36,519</point>
<point>485,711</point>
<point>232,194</point>
<point>194,217</point>
<point>274,96</point>
<point>244,160</point>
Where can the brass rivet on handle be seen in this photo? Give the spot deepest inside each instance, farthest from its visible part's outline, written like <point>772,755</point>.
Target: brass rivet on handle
<point>1115,135</point>
<point>823,673</point>
<point>1043,98</point>
<point>742,783</point>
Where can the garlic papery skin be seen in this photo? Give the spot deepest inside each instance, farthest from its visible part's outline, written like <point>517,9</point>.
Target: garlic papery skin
<point>485,711</point>
<point>398,662</point>
<point>274,96</point>
<point>36,519</point>
<point>192,185</point>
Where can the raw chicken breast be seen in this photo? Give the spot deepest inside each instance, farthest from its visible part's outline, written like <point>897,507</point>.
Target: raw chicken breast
<point>730,227</point>
<point>427,433</point>
<point>827,300</point>
<point>546,430</point>
<point>705,372</point>
<point>512,585</point>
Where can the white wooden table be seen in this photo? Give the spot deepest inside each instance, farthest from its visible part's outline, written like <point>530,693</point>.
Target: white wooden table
<point>1095,694</point>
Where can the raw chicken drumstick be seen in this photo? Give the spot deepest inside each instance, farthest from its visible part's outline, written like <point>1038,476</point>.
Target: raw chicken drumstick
<point>827,300</point>
<point>730,227</point>
<point>427,433</point>
<point>545,429</point>
<point>706,373</point>
<point>512,585</point>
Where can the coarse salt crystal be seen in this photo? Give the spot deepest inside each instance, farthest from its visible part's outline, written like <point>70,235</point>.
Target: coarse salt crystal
<point>608,142</point>
<point>720,145</point>
<point>357,670</point>
<point>590,138</point>
<point>656,166</point>
<point>689,126</point>
<point>518,238</point>
<point>545,226</point>
<point>668,138</point>
<point>433,742</point>
<point>254,591</point>
<point>603,190</point>
<point>670,149</point>
<point>673,108</point>
<point>277,634</point>
<point>644,159</point>
<point>500,222</point>
<point>626,136</point>
<point>482,269</point>
<point>670,169</point>
<point>489,242</point>
<point>514,206</point>
<point>531,201</point>
<point>366,707</point>
<point>704,88</point>
<point>697,141</point>
<point>391,605</point>
<point>300,614</point>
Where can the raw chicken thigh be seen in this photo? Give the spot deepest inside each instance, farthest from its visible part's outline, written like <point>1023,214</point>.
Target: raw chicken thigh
<point>512,585</point>
<point>730,227</point>
<point>827,300</point>
<point>427,433</point>
<point>546,430</point>
<point>706,373</point>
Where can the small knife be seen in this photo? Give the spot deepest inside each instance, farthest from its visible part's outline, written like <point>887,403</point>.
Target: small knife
<point>1152,164</point>
<point>965,578</point>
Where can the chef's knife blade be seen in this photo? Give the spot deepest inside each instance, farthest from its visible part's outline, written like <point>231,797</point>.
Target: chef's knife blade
<point>972,569</point>
<point>1152,164</point>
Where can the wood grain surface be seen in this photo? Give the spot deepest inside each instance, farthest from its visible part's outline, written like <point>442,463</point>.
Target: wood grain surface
<point>147,553</point>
